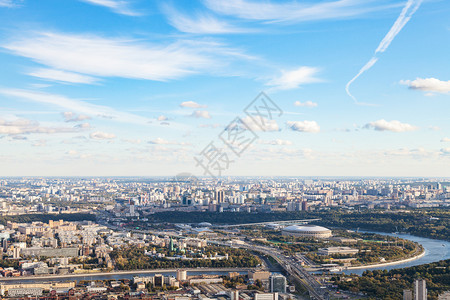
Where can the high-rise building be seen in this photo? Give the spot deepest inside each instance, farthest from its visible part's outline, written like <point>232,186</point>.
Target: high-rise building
<point>277,283</point>
<point>407,295</point>
<point>186,200</point>
<point>171,247</point>
<point>304,205</point>
<point>182,275</point>
<point>159,280</point>
<point>234,295</point>
<point>420,289</point>
<point>219,196</point>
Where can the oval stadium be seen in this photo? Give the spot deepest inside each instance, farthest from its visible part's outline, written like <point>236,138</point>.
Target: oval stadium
<point>307,231</point>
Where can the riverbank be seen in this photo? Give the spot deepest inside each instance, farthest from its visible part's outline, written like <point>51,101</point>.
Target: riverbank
<point>120,273</point>
<point>391,263</point>
<point>435,250</point>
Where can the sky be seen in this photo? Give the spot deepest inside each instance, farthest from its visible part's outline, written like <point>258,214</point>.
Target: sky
<point>150,88</point>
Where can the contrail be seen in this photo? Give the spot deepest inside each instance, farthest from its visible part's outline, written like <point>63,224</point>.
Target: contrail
<point>406,14</point>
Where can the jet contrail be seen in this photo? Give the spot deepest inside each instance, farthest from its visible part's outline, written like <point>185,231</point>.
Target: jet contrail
<point>406,14</point>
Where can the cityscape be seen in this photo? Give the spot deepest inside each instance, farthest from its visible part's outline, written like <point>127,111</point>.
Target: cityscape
<point>195,237</point>
<point>224,149</point>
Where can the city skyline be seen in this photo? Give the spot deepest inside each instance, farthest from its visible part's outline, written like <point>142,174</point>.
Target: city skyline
<point>132,88</point>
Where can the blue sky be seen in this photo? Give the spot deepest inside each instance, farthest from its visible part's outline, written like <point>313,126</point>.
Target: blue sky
<point>138,87</point>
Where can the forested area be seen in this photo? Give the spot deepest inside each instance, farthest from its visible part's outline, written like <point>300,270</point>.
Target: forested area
<point>389,285</point>
<point>133,258</point>
<point>416,222</point>
<point>46,217</point>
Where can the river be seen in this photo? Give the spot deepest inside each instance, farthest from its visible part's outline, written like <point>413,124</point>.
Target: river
<point>435,250</point>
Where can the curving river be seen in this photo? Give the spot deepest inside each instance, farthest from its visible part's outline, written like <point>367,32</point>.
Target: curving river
<point>435,250</point>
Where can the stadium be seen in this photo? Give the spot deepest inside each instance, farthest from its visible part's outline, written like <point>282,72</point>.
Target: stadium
<point>307,231</point>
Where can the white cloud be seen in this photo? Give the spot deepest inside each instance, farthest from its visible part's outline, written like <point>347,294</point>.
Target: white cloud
<point>434,128</point>
<point>445,140</point>
<point>215,125</point>
<point>118,6</point>
<point>8,3</point>
<point>258,122</point>
<point>428,85</point>
<point>110,57</point>
<point>160,141</point>
<point>407,12</point>
<point>192,104</point>
<point>162,118</point>
<point>72,117</point>
<point>75,105</point>
<point>292,11</point>
<point>25,126</point>
<point>83,126</point>
<point>99,135</point>
<point>415,153</point>
<point>277,142</point>
<point>305,104</point>
<point>62,76</point>
<point>304,126</point>
<point>133,141</point>
<point>199,24</point>
<point>40,143</point>
<point>72,152</point>
<point>293,79</point>
<point>201,114</point>
<point>445,151</point>
<point>394,125</point>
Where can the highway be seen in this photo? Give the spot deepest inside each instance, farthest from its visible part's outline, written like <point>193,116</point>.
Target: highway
<point>292,266</point>
<point>316,290</point>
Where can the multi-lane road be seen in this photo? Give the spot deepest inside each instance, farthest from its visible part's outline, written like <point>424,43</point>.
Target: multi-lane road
<point>316,290</point>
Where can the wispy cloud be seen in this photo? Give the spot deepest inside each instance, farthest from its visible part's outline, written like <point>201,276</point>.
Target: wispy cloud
<point>445,152</point>
<point>445,140</point>
<point>72,117</point>
<point>394,126</point>
<point>256,122</point>
<point>294,78</point>
<point>304,126</point>
<point>75,105</point>
<point>99,135</point>
<point>201,23</point>
<point>407,12</point>
<point>161,141</point>
<point>293,12</point>
<point>192,104</point>
<point>62,76</point>
<point>277,142</point>
<point>305,104</point>
<point>25,126</point>
<point>118,6</point>
<point>109,57</point>
<point>201,114</point>
<point>428,85</point>
<point>213,126</point>
<point>9,3</point>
